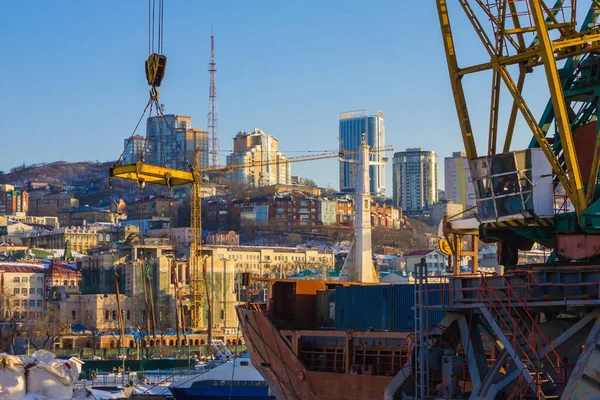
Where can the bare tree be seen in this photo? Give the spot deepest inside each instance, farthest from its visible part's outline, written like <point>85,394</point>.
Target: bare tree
<point>43,329</point>
<point>8,335</point>
<point>90,320</point>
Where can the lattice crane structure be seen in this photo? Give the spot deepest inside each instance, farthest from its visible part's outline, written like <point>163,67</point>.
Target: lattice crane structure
<point>499,337</point>
<point>560,38</point>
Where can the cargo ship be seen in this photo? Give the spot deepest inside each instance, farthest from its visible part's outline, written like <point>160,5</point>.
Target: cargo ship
<point>332,340</point>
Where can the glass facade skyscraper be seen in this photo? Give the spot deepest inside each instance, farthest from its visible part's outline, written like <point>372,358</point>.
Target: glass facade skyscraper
<point>352,126</point>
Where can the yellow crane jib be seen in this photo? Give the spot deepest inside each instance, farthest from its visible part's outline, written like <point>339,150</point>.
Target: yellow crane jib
<point>156,65</point>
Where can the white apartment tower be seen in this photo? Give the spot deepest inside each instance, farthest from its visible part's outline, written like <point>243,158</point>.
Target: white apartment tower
<point>258,147</point>
<point>415,179</point>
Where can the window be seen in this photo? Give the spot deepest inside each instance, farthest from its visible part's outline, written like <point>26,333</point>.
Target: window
<point>114,315</point>
<point>65,283</point>
<point>31,290</point>
<point>24,280</point>
<point>106,315</point>
<point>24,303</point>
<point>39,304</point>
<point>16,279</point>
<point>40,291</point>
<point>31,303</point>
<point>16,303</point>
<point>17,291</point>
<point>73,315</point>
<point>40,279</point>
<point>128,315</point>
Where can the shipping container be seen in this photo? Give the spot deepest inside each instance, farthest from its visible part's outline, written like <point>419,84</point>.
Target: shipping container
<point>384,307</point>
<point>404,302</point>
<point>364,308</point>
<point>325,308</point>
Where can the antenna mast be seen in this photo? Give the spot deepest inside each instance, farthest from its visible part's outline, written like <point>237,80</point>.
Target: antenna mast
<point>213,121</point>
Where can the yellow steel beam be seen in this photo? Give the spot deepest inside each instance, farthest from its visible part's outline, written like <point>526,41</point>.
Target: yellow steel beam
<point>455,81</point>
<point>152,174</point>
<point>563,126</point>
<point>495,101</point>
<point>593,179</point>
<point>564,48</point>
<point>529,29</point>
<point>512,119</point>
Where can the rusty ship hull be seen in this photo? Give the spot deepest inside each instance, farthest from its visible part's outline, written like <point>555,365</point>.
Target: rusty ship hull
<point>275,354</point>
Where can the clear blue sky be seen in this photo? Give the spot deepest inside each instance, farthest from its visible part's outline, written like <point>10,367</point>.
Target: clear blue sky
<point>73,85</point>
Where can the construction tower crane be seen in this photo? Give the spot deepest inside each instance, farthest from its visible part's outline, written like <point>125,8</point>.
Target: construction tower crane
<point>518,192</point>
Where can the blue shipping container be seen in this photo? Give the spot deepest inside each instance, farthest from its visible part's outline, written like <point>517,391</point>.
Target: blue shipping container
<point>404,301</point>
<point>384,307</point>
<point>364,308</point>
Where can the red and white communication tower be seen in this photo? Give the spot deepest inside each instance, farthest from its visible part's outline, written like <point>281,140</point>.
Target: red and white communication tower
<point>213,120</point>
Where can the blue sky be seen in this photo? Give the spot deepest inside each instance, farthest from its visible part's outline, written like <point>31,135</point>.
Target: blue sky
<point>73,85</point>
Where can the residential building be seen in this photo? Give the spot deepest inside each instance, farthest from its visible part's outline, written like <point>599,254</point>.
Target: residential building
<point>326,212</point>
<point>182,236</point>
<point>283,188</point>
<point>66,275</point>
<point>38,185</point>
<point>223,238</point>
<point>352,126</point>
<point>13,201</point>
<point>345,211</point>
<point>133,148</point>
<point>86,215</point>
<point>17,232</point>
<point>81,238</point>
<point>23,287</point>
<point>216,215</point>
<point>458,185</point>
<point>254,215</point>
<point>263,149</point>
<point>415,180</point>
<point>436,261</point>
<point>445,207</point>
<point>153,206</point>
<point>386,216</point>
<point>190,140</point>
<point>51,204</point>
<point>264,261</point>
<point>171,136</point>
<point>34,220</point>
<point>207,189</point>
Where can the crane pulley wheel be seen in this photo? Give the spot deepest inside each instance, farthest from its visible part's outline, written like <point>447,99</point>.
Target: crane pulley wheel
<point>156,66</point>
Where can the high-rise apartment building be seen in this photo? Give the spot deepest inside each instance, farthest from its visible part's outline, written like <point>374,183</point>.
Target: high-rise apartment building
<point>13,201</point>
<point>262,148</point>
<point>415,179</point>
<point>458,185</point>
<point>352,126</point>
<point>133,149</point>
<point>163,135</point>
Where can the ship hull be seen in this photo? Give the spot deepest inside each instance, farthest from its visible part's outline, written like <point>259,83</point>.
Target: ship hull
<point>220,394</point>
<point>272,356</point>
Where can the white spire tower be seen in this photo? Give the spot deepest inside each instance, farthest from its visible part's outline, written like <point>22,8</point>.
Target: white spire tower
<point>359,263</point>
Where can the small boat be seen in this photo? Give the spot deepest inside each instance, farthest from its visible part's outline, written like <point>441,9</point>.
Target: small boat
<point>235,380</point>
